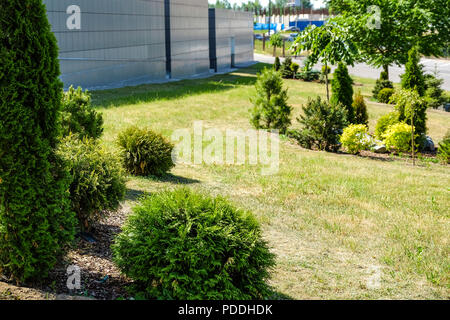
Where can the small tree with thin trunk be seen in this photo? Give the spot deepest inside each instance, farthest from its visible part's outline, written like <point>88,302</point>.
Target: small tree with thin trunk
<point>328,44</point>
<point>276,41</point>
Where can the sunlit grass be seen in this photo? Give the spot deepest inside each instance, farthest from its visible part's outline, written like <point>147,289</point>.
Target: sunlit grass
<point>331,218</point>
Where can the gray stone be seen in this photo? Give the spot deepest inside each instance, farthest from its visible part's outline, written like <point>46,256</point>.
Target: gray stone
<point>380,149</point>
<point>429,144</point>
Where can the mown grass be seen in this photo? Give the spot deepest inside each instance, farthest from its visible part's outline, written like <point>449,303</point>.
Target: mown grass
<point>268,49</point>
<point>335,221</point>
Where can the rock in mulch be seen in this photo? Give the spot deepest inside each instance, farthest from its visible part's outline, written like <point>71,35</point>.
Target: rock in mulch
<point>380,149</point>
<point>429,144</point>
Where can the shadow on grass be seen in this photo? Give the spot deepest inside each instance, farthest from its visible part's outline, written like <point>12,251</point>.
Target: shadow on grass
<point>170,178</point>
<point>280,296</point>
<point>175,90</point>
<point>134,195</point>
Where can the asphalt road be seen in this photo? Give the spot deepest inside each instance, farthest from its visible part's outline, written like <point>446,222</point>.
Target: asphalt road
<point>365,71</point>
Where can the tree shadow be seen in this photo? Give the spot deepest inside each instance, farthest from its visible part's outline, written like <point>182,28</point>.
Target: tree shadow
<point>276,295</point>
<point>173,179</point>
<point>134,195</point>
<point>174,90</point>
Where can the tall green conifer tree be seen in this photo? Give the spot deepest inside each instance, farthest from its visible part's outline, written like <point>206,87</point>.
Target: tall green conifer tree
<point>35,219</point>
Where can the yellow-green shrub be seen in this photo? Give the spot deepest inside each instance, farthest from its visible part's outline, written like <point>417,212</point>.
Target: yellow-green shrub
<point>398,137</point>
<point>385,122</point>
<point>355,138</point>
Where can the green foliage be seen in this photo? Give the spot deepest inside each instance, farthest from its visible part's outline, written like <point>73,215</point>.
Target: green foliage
<point>328,44</point>
<point>35,217</point>
<point>326,70</point>
<point>270,110</point>
<point>360,113</point>
<point>413,78</point>
<point>322,125</point>
<point>444,149</point>
<point>183,245</point>
<point>145,152</point>
<point>276,41</point>
<point>401,25</point>
<point>434,94</point>
<point>398,137</point>
<point>294,68</point>
<point>385,122</point>
<point>408,102</point>
<point>342,90</point>
<point>380,85</point>
<point>78,115</point>
<point>277,64</point>
<point>384,75</point>
<point>384,96</point>
<point>98,182</point>
<point>356,138</point>
<point>287,71</point>
<point>309,75</point>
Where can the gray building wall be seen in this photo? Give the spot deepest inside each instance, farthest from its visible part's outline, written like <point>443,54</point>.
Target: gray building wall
<point>123,42</point>
<point>118,41</point>
<point>189,37</point>
<point>233,28</point>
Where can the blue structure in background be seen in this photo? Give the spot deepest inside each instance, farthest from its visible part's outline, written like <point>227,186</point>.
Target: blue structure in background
<point>299,24</point>
<point>265,26</point>
<point>303,24</point>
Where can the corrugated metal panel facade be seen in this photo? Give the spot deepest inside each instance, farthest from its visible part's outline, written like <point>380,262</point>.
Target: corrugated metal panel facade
<point>123,42</point>
<point>234,35</point>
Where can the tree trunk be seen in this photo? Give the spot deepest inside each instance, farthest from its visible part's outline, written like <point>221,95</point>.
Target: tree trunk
<point>326,81</point>
<point>412,137</point>
<point>386,69</point>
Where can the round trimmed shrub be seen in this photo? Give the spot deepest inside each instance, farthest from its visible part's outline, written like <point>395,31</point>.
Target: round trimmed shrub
<point>356,138</point>
<point>380,85</point>
<point>184,245</point>
<point>398,137</point>
<point>384,96</point>
<point>98,182</point>
<point>145,152</point>
<point>384,122</point>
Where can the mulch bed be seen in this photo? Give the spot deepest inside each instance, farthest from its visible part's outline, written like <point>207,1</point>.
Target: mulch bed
<point>100,278</point>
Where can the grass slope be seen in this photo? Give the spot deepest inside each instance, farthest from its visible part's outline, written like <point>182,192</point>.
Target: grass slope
<point>343,227</point>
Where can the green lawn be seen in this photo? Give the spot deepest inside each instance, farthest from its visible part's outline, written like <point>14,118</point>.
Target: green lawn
<point>335,221</point>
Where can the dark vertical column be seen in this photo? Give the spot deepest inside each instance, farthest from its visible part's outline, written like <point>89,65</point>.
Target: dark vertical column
<point>168,40</point>
<point>212,39</point>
